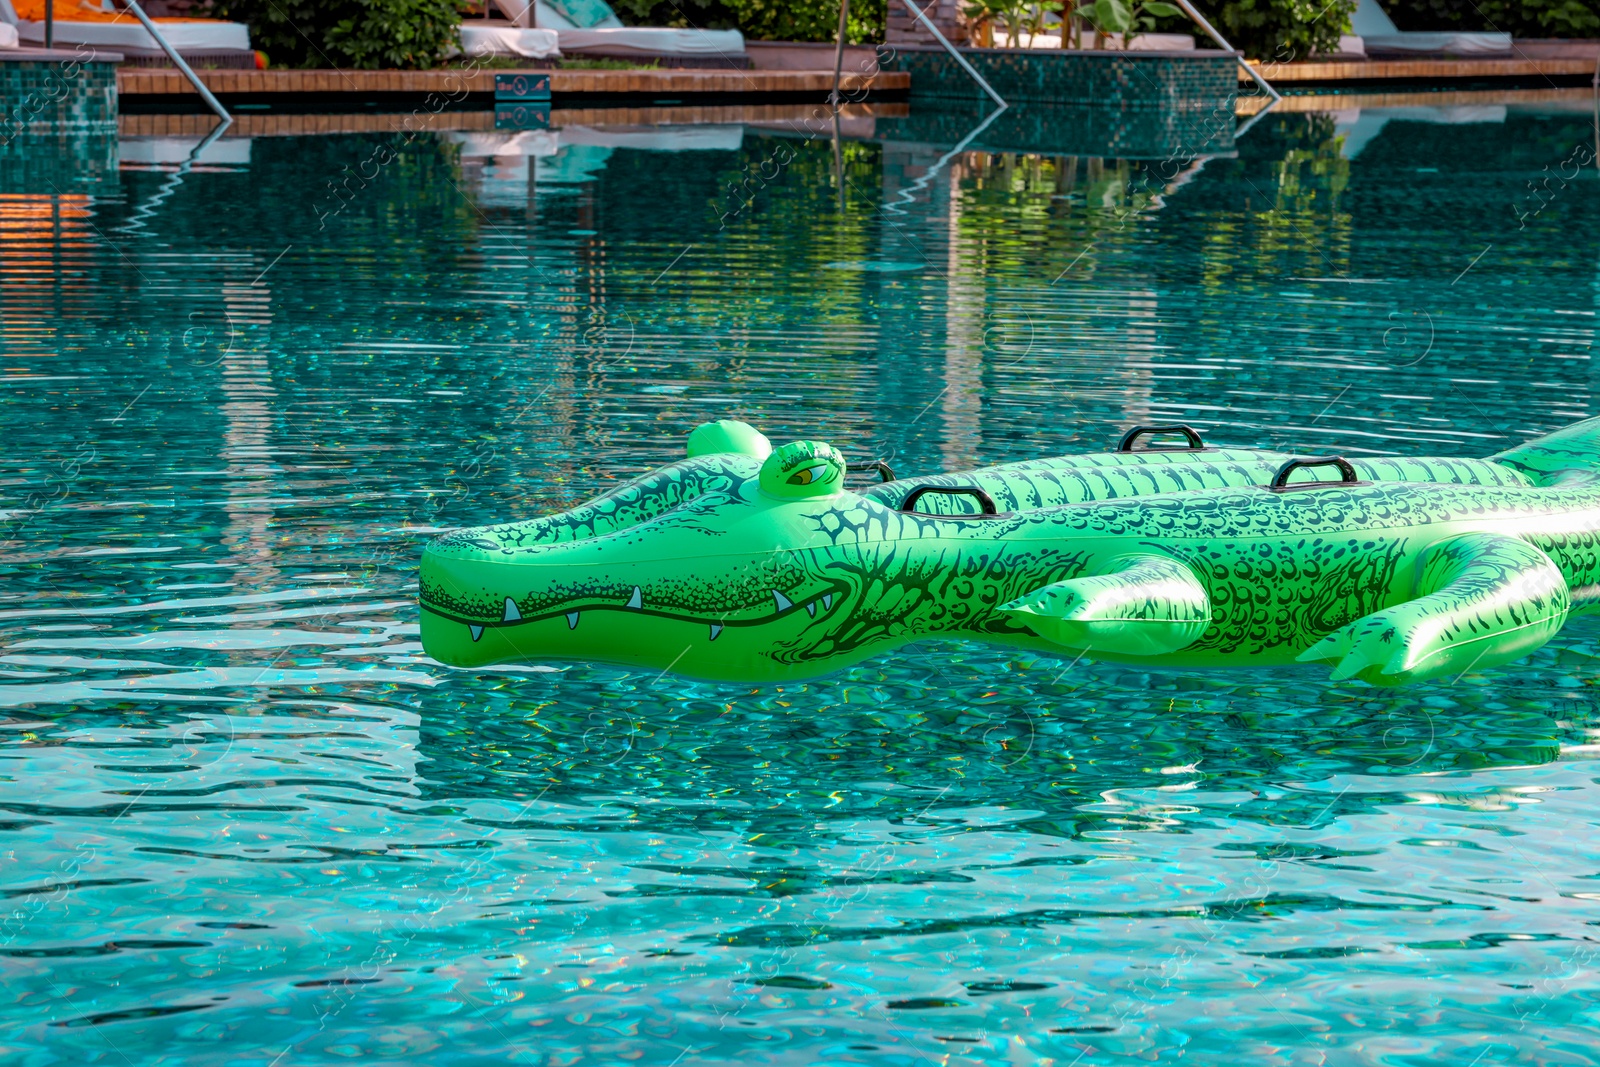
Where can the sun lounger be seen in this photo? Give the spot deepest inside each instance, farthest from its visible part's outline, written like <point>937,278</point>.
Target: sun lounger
<point>1379,33</point>
<point>590,27</point>
<point>85,22</point>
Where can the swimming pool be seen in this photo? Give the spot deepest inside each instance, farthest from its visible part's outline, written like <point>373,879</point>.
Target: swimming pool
<point>245,821</point>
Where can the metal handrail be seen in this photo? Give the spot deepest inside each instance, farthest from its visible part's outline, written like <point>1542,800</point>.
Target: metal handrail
<point>1211,31</point>
<point>177,61</point>
<point>959,58</point>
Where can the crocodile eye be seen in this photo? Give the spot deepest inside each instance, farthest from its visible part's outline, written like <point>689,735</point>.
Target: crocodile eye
<point>807,475</point>
<point>802,469</point>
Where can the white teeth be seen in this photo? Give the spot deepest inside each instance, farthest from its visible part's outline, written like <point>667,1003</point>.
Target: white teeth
<point>784,603</point>
<point>827,601</point>
<point>811,609</point>
<point>572,620</point>
<point>512,614</point>
<point>636,601</point>
<point>477,631</point>
<point>715,630</point>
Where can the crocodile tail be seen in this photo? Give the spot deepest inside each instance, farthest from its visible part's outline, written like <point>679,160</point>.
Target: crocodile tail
<point>1569,450</point>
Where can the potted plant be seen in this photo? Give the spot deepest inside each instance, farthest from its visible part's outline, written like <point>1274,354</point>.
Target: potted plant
<point>1125,18</point>
<point>1017,16</point>
<point>982,15</point>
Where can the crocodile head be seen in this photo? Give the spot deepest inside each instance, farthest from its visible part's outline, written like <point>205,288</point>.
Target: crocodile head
<point>737,563</point>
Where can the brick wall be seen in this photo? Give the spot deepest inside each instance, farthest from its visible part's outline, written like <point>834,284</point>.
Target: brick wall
<point>904,28</point>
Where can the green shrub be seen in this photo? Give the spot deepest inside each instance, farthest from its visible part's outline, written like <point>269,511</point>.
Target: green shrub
<point>1264,29</point>
<point>1520,18</point>
<point>348,34</point>
<point>762,20</point>
<point>809,20</point>
<point>689,14</point>
<point>1127,18</point>
<point>1282,31</point>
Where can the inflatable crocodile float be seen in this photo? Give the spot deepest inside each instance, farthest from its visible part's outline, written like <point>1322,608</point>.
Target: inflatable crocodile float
<point>747,563</point>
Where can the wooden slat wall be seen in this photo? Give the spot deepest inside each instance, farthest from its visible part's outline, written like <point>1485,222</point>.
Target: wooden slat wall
<point>1442,69</point>
<point>285,125</point>
<point>145,81</point>
<point>142,81</point>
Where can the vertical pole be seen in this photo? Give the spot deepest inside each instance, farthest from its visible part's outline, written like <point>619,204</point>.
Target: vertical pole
<point>49,23</point>
<point>838,54</point>
<point>838,162</point>
<point>532,211</point>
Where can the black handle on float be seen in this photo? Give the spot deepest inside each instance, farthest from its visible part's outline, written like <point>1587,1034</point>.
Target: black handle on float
<point>1347,473</point>
<point>1189,433</point>
<point>885,471</point>
<point>985,501</point>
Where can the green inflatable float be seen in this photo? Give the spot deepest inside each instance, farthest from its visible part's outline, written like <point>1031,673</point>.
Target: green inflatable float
<point>749,563</point>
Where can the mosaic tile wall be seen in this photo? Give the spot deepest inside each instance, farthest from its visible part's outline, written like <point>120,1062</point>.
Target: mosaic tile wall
<point>1069,129</point>
<point>1202,79</point>
<point>48,95</point>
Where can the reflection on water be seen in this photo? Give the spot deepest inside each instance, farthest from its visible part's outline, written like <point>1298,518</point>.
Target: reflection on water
<point>247,821</point>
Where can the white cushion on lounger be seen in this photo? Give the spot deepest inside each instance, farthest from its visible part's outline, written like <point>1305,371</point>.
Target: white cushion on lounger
<point>184,36</point>
<point>1454,44</point>
<point>8,35</point>
<point>653,41</point>
<point>499,39</point>
<point>611,37</point>
<point>1378,31</point>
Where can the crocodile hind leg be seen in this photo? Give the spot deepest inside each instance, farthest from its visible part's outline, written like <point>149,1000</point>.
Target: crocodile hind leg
<point>1483,599</point>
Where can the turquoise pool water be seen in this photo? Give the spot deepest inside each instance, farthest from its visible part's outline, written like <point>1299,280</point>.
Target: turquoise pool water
<point>244,821</point>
